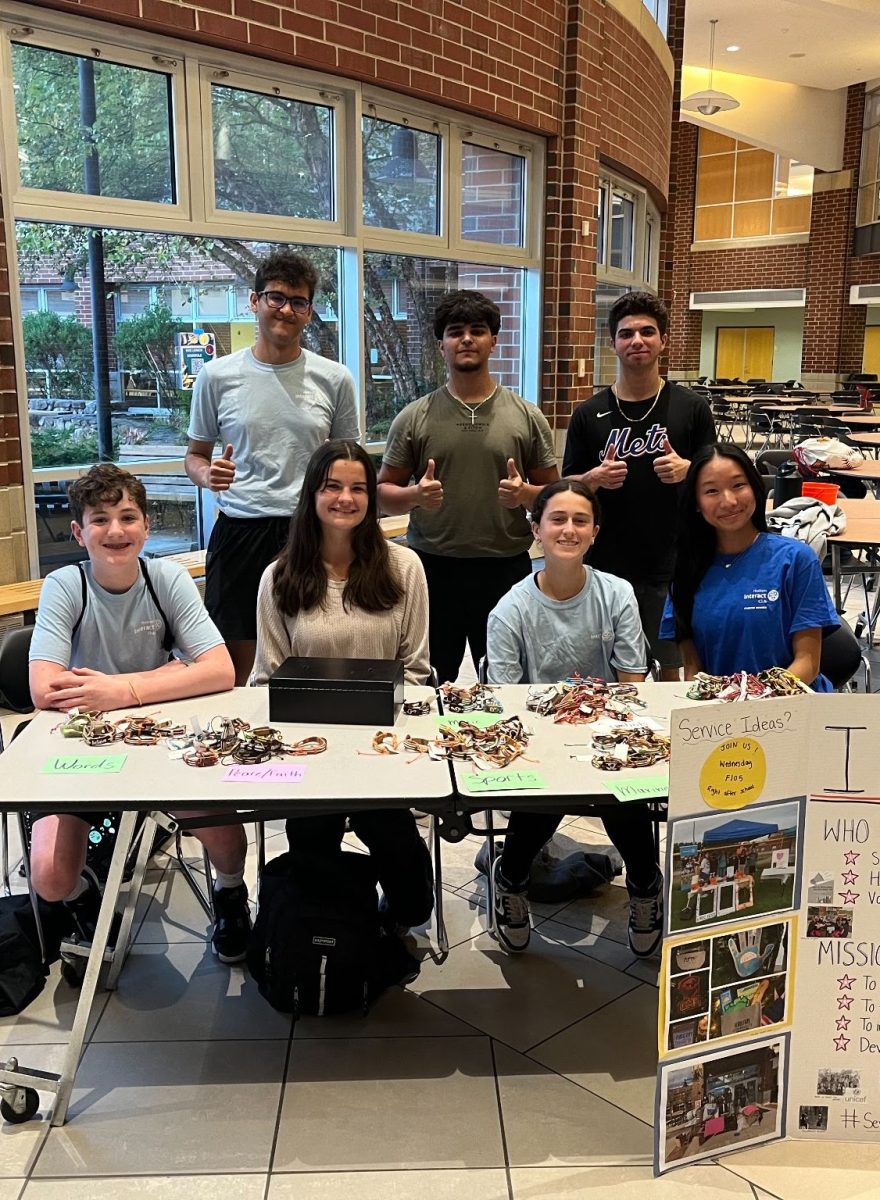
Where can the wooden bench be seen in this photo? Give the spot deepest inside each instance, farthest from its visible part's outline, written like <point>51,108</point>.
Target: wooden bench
<point>24,597</point>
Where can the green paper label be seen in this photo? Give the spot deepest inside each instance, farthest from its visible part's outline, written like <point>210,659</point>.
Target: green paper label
<point>84,764</point>
<point>649,787</point>
<point>482,720</point>
<point>503,781</point>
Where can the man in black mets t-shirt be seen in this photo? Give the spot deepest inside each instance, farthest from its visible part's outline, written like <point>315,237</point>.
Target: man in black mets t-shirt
<point>635,441</point>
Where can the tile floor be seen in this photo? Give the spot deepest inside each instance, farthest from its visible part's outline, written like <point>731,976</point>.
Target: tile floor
<point>497,1078</point>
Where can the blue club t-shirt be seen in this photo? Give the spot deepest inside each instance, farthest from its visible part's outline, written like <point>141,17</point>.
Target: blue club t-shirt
<point>750,605</point>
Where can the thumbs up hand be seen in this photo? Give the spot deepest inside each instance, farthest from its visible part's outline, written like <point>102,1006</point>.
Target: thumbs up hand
<point>611,472</point>
<point>669,466</point>
<point>430,489</point>
<point>222,471</point>
<point>510,489</point>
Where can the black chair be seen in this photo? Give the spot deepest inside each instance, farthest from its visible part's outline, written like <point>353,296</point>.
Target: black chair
<point>15,692</point>
<point>764,424</point>
<point>841,656</point>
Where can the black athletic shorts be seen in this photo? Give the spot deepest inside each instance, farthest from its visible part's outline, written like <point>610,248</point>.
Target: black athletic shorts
<point>239,551</point>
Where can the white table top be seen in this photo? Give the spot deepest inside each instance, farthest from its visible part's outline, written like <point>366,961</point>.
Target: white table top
<point>553,752</point>
<point>150,778</point>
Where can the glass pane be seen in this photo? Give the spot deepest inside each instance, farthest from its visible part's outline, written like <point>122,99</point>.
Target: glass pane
<point>491,196</point>
<point>402,359</point>
<point>29,298</point>
<point>92,126</point>
<point>212,303</point>
<point>605,362</point>
<point>272,155</point>
<point>172,503</point>
<point>140,386</point>
<point>869,167</point>
<point>401,177</point>
<point>603,223</point>
<point>622,214</point>
<point>61,301</point>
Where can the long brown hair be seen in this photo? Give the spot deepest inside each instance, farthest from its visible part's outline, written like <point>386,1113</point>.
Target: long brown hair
<point>300,580</point>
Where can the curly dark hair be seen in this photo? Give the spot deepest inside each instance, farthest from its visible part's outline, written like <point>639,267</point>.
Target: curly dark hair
<point>466,308</point>
<point>104,483</point>
<point>635,304</point>
<point>299,582</point>
<point>287,267</point>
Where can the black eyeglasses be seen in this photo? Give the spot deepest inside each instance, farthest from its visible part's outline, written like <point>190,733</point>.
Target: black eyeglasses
<point>298,304</point>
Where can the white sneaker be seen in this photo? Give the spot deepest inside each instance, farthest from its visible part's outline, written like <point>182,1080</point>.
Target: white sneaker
<point>645,927</point>
<point>512,927</point>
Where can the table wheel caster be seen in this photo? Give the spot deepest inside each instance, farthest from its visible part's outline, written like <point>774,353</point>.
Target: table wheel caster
<point>73,970</point>
<point>18,1104</point>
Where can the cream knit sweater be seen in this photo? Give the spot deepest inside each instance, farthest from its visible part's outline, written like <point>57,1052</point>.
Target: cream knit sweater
<point>331,631</point>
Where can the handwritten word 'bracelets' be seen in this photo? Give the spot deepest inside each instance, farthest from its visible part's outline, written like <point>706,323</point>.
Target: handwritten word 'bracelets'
<point>479,698</point>
<point>496,746</point>
<point>742,686</point>
<point>635,747</point>
<point>578,701</point>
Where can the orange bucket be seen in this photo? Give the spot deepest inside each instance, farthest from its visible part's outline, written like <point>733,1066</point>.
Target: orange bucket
<point>826,492</point>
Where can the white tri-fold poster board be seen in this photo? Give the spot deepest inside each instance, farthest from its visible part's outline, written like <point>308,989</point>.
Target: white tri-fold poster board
<point>769,1020</point>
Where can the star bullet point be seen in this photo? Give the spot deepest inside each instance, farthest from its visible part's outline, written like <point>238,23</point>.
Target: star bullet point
<point>841,1042</point>
<point>849,878</point>
<point>844,1002</point>
<point>851,857</point>
<point>849,897</point>
<point>845,982</point>
<point>843,1022</point>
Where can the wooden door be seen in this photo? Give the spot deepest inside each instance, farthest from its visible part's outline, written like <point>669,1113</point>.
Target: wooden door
<point>871,361</point>
<point>745,353</point>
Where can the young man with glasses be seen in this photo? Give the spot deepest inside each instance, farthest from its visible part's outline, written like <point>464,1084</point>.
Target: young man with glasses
<point>269,407</point>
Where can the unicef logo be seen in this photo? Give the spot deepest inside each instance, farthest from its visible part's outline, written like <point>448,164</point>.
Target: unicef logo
<point>773,594</point>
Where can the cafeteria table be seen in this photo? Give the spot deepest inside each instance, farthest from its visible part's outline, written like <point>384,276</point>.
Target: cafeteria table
<point>347,777</point>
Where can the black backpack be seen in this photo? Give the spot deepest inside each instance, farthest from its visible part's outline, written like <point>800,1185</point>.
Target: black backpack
<point>22,971</point>
<point>317,946</point>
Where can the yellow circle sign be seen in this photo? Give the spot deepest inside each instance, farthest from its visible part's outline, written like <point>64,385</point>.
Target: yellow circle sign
<point>734,774</point>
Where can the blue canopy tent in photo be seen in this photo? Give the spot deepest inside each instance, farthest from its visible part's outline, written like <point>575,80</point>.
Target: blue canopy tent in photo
<point>738,831</point>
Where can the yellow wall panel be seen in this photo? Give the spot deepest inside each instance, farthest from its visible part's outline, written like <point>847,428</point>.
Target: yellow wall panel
<point>715,179</point>
<point>871,361</point>
<point>754,175</point>
<point>791,214</point>
<point>751,220</point>
<point>715,143</point>
<point>713,223</point>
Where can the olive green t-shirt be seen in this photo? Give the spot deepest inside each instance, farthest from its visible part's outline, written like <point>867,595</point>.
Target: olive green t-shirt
<point>470,451</point>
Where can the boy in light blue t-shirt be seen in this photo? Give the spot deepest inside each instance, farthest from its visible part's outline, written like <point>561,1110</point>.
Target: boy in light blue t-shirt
<point>112,653</point>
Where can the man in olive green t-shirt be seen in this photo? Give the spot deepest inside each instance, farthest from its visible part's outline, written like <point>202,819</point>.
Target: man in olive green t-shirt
<point>479,455</point>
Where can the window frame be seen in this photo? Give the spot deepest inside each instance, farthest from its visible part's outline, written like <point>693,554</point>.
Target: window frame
<point>869,165</point>
<point>41,203</point>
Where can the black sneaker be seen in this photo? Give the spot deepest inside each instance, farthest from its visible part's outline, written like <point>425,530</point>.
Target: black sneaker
<point>512,926</point>
<point>645,927</point>
<point>232,923</point>
<point>85,908</point>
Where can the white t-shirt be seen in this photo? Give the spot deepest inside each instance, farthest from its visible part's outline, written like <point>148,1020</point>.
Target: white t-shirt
<point>274,417</point>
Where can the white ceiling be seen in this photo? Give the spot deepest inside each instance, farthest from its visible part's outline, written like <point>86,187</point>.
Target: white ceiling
<point>839,39</point>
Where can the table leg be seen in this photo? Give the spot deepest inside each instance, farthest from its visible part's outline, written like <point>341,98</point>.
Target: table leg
<point>73,1053</point>
<point>120,952</point>
<point>835,574</point>
<point>442,938</point>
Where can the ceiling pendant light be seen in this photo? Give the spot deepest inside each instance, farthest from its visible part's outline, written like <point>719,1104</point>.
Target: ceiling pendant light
<point>710,102</point>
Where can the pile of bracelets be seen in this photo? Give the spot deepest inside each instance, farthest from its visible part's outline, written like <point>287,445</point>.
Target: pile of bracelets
<point>635,747</point>
<point>496,746</point>
<point>389,743</point>
<point>577,701</point>
<point>227,740</point>
<point>479,698</point>
<point>742,686</point>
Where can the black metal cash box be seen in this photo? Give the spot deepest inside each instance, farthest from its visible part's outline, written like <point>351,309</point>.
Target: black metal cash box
<point>337,691</point>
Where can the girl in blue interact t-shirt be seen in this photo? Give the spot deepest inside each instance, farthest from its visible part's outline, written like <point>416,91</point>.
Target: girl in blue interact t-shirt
<point>742,599</point>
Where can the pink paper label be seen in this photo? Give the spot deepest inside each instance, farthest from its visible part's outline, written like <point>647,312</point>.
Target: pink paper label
<point>265,773</point>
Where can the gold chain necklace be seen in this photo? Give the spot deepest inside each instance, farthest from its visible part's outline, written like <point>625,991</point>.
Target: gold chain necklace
<point>637,420</point>
<point>471,408</point>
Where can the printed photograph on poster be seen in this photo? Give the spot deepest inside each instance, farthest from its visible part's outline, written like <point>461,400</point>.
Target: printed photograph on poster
<point>725,867</point>
<point>832,1082</point>
<point>722,1100</point>
<point>828,920</point>
<point>748,980</point>
<point>813,1116</point>
<point>820,889</point>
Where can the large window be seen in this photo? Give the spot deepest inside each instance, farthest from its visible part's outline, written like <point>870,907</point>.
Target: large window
<point>746,192</point>
<point>868,210</point>
<point>659,10</point>
<point>146,184</point>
